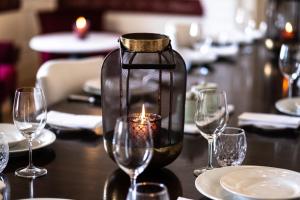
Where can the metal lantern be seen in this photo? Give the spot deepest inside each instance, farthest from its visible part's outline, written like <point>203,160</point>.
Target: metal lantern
<point>145,73</point>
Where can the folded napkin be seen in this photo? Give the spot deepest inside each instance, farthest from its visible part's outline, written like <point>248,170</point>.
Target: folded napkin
<point>191,128</point>
<point>183,198</point>
<point>74,121</point>
<point>268,120</point>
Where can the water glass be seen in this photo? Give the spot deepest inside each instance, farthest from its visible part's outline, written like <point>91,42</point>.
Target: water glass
<point>148,191</point>
<point>4,152</point>
<point>231,147</point>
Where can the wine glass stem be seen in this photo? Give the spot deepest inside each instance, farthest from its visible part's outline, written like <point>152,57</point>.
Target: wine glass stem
<point>132,181</point>
<point>210,152</point>
<point>290,87</point>
<point>30,165</point>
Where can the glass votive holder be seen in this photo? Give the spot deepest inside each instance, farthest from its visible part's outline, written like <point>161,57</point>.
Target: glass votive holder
<point>231,147</point>
<point>148,191</point>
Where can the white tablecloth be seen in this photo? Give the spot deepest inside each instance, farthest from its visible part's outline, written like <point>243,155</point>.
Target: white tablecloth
<point>67,42</point>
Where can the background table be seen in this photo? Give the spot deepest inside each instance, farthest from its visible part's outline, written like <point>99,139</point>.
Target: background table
<point>79,168</point>
<point>68,43</point>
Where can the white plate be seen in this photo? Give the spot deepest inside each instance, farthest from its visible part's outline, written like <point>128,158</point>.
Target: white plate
<point>289,106</point>
<point>94,87</point>
<point>196,56</point>
<point>44,139</point>
<point>208,183</point>
<point>263,183</point>
<point>11,134</point>
<point>45,199</point>
<point>226,51</point>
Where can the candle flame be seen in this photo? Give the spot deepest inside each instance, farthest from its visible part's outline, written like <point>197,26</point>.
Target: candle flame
<point>80,22</point>
<point>143,114</point>
<point>288,27</point>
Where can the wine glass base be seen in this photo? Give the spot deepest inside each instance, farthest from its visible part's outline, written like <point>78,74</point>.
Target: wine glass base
<point>31,172</point>
<point>197,172</point>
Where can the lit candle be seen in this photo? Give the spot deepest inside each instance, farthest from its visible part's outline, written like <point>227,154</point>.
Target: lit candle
<point>142,123</point>
<point>288,32</point>
<point>81,27</point>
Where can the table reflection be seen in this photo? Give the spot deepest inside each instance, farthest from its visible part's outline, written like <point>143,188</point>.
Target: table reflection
<point>197,147</point>
<point>117,184</point>
<point>281,146</point>
<point>31,188</point>
<point>43,157</point>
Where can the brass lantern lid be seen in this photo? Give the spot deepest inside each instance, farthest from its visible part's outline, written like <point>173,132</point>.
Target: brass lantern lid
<point>145,42</point>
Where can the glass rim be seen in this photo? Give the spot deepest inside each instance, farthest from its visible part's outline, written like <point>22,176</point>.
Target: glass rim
<point>239,130</point>
<point>290,44</point>
<point>129,118</point>
<point>160,185</point>
<point>207,90</point>
<point>28,89</point>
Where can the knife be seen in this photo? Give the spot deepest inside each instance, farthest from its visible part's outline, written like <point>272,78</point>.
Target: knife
<point>82,98</point>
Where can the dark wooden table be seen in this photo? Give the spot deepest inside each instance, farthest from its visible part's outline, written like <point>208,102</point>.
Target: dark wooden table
<point>79,168</point>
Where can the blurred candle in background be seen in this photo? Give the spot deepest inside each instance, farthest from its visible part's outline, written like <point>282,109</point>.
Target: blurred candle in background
<point>285,87</point>
<point>288,32</point>
<point>81,27</point>
<point>195,34</point>
<point>194,30</point>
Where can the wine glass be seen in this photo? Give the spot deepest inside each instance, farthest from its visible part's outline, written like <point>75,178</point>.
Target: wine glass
<point>211,118</point>
<point>29,115</point>
<point>132,146</point>
<point>148,191</point>
<point>231,147</point>
<point>289,63</point>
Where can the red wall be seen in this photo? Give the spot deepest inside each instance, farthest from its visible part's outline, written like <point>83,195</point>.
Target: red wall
<point>189,7</point>
<point>9,4</point>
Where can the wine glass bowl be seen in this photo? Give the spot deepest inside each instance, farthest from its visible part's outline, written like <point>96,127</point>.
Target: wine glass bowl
<point>289,63</point>
<point>29,116</point>
<point>132,146</point>
<point>211,112</point>
<point>210,118</point>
